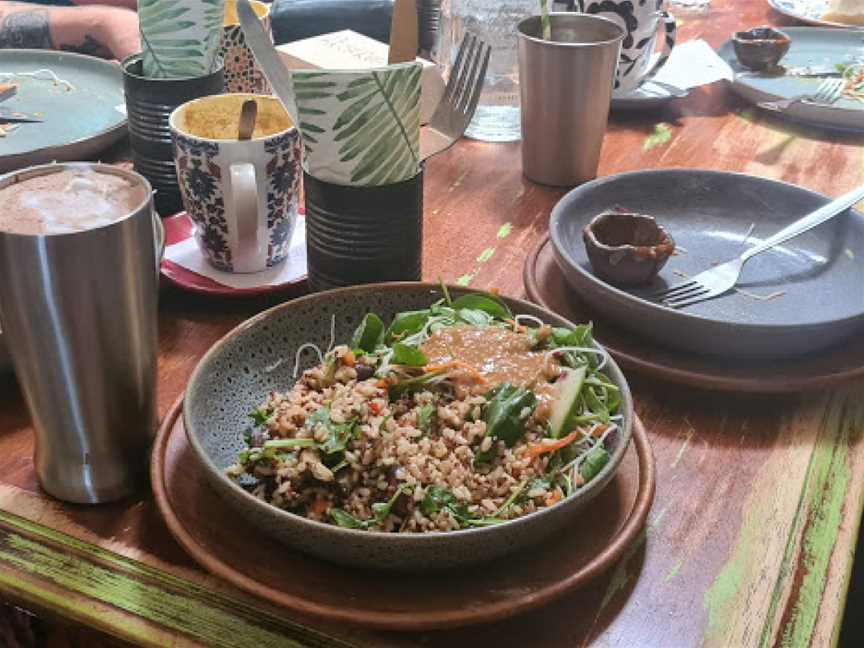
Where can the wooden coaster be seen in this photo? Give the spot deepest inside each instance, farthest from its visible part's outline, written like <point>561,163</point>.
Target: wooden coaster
<point>204,525</point>
<point>547,287</point>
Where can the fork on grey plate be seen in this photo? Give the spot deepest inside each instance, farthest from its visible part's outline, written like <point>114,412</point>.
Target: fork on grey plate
<point>829,91</point>
<point>721,279</point>
<point>457,106</point>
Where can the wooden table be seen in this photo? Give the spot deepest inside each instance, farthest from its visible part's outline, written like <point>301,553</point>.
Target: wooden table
<point>759,499</point>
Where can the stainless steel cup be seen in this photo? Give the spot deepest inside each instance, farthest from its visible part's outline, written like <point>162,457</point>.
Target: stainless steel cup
<point>78,312</point>
<point>566,89</point>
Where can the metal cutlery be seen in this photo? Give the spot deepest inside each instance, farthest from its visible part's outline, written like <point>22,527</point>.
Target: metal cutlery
<point>456,108</point>
<point>275,71</point>
<point>829,91</point>
<point>721,279</point>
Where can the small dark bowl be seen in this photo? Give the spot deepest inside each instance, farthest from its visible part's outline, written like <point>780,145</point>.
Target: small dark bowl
<point>626,249</point>
<point>760,48</point>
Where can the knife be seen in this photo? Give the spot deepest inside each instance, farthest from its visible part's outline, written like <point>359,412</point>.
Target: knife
<point>9,115</point>
<point>275,71</point>
<point>403,32</point>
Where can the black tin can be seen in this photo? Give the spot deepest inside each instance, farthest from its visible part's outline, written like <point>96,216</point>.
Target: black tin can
<point>149,103</point>
<point>358,235</point>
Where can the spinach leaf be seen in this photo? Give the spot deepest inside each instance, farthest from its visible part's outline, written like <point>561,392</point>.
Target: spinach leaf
<point>382,509</point>
<point>407,323</point>
<point>593,463</point>
<point>408,355</point>
<point>484,302</point>
<point>346,520</point>
<point>260,416</point>
<point>439,499</point>
<point>507,410</point>
<point>580,336</point>
<point>475,317</point>
<point>369,334</point>
<point>424,417</point>
<point>338,434</point>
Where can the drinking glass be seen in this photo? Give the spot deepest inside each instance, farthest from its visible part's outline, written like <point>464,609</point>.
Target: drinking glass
<point>497,115</point>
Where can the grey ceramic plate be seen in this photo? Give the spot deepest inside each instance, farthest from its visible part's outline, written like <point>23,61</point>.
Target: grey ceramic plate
<point>811,46</point>
<point>650,94</point>
<point>258,357</point>
<point>709,214</point>
<point>808,11</point>
<point>78,123</point>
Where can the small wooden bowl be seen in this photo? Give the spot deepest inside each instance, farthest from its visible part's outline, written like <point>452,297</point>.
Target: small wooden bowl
<point>626,249</point>
<point>760,48</point>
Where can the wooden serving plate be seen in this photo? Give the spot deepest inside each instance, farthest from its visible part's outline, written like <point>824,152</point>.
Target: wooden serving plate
<point>222,544</point>
<point>546,286</point>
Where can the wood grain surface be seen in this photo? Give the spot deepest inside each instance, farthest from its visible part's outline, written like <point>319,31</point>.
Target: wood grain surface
<point>759,498</point>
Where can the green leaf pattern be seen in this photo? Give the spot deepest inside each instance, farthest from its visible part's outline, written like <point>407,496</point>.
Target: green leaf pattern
<point>179,38</point>
<point>360,128</point>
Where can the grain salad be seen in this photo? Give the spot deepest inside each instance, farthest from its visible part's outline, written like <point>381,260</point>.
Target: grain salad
<point>456,416</point>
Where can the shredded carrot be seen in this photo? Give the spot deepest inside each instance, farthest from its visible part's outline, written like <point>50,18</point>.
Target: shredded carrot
<point>541,448</point>
<point>375,408</point>
<point>320,506</point>
<point>348,359</point>
<point>455,364</point>
<point>599,430</point>
<point>384,383</point>
<point>554,497</point>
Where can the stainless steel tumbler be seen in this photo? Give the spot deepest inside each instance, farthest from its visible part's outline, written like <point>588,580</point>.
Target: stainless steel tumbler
<point>566,88</point>
<point>78,312</point>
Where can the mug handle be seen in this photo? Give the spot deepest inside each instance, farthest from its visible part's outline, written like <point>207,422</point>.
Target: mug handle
<point>670,31</point>
<point>251,253</point>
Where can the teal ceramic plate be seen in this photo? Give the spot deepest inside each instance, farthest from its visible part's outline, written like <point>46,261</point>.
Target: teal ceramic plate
<point>811,46</point>
<point>79,121</point>
<point>808,11</point>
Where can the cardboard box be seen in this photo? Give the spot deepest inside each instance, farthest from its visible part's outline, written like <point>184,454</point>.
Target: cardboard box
<point>348,50</point>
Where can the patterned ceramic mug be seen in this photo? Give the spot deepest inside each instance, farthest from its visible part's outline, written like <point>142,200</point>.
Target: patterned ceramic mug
<point>242,74</point>
<point>640,20</point>
<point>241,195</point>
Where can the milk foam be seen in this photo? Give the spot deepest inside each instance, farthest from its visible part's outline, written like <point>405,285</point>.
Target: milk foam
<point>67,201</point>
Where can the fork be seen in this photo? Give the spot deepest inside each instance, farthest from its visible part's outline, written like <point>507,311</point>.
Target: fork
<point>721,279</point>
<point>829,91</point>
<point>456,108</point>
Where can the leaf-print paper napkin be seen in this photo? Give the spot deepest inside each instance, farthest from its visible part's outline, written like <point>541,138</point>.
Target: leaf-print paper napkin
<point>179,38</point>
<point>360,127</point>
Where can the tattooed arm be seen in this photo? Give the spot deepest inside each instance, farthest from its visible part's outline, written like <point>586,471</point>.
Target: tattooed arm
<point>109,32</point>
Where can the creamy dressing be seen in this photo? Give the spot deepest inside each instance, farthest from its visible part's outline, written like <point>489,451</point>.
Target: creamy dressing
<point>499,355</point>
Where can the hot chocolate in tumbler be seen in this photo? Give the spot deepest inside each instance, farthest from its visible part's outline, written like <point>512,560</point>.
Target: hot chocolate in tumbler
<point>78,297</point>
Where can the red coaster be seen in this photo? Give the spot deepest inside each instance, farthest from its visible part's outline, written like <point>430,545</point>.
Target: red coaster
<point>178,228</point>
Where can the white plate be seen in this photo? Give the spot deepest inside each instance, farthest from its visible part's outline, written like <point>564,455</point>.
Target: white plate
<point>808,11</point>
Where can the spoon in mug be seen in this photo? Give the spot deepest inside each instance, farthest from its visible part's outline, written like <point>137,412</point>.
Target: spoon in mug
<point>248,115</point>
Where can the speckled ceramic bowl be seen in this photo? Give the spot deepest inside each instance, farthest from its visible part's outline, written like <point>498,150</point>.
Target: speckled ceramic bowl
<point>258,356</point>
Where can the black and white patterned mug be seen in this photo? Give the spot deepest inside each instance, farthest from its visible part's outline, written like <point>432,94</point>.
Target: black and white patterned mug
<point>242,195</point>
<point>640,20</point>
